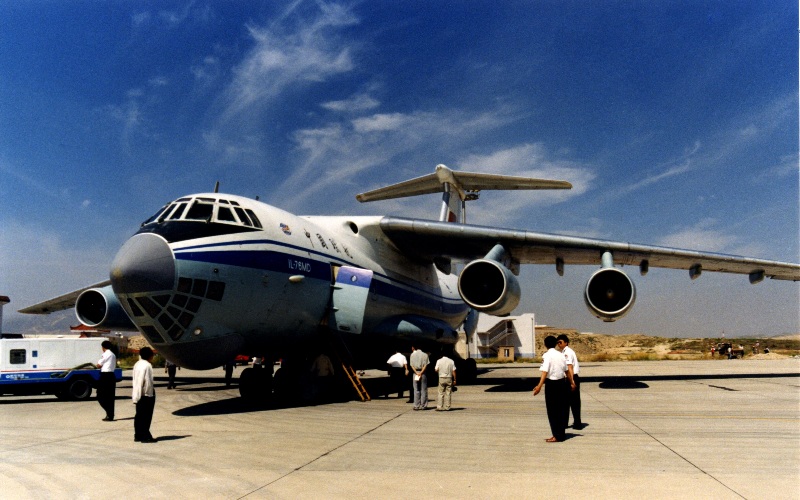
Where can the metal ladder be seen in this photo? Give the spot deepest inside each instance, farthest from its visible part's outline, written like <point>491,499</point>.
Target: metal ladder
<point>339,349</point>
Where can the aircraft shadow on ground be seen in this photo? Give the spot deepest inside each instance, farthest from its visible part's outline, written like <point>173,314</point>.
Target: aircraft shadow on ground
<point>511,384</point>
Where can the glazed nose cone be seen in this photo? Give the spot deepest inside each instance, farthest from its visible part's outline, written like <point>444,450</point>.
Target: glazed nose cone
<point>145,263</point>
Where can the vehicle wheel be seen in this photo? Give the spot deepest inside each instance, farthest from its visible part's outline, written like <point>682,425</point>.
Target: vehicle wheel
<point>79,389</point>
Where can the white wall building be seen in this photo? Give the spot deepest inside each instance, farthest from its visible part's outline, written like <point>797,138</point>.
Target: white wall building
<point>493,332</point>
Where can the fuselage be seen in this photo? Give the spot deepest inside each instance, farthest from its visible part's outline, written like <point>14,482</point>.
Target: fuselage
<point>211,276</point>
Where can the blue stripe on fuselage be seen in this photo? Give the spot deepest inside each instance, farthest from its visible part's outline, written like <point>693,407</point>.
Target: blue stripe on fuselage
<point>270,260</point>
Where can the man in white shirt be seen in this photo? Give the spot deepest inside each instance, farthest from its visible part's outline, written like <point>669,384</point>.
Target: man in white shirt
<point>575,367</point>
<point>144,396</point>
<point>556,397</point>
<point>398,371</point>
<point>107,385</point>
<point>446,368</point>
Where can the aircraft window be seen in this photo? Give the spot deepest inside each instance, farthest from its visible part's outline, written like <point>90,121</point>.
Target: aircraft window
<point>155,215</point>
<point>17,356</point>
<point>235,203</point>
<point>200,210</point>
<point>175,213</point>
<point>184,285</point>
<point>166,212</point>
<point>183,199</point>
<point>134,308</point>
<point>243,216</point>
<point>225,214</point>
<point>152,335</point>
<point>226,202</point>
<point>199,288</point>
<point>212,200</point>
<point>253,217</point>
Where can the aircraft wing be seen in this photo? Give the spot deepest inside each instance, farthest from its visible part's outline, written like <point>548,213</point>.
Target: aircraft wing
<point>424,239</point>
<point>61,302</point>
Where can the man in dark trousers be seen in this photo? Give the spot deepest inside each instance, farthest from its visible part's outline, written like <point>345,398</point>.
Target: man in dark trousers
<point>558,381</point>
<point>144,396</point>
<point>575,368</point>
<point>107,385</point>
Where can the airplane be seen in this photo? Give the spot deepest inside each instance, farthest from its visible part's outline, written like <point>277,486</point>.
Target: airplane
<point>211,276</point>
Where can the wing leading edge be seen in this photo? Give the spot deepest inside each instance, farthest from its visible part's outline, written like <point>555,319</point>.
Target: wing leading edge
<point>429,240</point>
<point>61,302</point>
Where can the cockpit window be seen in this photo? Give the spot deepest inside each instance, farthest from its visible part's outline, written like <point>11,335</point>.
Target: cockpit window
<point>224,214</point>
<point>155,215</point>
<point>208,210</point>
<point>253,217</point>
<point>177,212</point>
<point>243,216</point>
<point>200,210</point>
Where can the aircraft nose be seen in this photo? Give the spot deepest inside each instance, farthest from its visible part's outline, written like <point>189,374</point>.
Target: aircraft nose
<point>145,263</point>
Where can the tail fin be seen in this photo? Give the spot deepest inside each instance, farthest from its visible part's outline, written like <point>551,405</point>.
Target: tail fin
<point>466,185</point>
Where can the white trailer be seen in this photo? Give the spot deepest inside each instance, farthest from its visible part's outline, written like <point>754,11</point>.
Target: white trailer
<point>61,366</point>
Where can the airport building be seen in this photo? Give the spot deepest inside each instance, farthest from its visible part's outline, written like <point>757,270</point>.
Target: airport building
<point>507,338</point>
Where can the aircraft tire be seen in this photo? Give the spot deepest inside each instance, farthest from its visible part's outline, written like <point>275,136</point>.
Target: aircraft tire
<point>255,384</point>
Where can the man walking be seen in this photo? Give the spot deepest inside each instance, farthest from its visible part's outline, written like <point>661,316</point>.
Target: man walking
<point>574,367</point>
<point>144,396</point>
<point>446,369</point>
<point>419,363</point>
<point>556,396</point>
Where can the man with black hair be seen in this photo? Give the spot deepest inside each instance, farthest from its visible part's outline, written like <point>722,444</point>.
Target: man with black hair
<point>144,396</point>
<point>574,367</point>
<point>107,385</point>
<point>556,397</point>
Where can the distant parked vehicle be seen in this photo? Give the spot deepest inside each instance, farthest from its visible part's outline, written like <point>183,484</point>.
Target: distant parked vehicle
<point>723,348</point>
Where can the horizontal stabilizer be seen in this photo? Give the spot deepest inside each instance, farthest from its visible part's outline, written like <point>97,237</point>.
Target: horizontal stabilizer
<point>462,182</point>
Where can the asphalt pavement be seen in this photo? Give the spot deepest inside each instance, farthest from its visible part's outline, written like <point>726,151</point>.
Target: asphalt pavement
<point>656,429</point>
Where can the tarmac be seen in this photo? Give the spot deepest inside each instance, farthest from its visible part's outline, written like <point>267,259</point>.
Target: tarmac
<point>656,429</point>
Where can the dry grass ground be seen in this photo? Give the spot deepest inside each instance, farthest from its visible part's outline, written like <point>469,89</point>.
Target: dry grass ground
<point>597,347</point>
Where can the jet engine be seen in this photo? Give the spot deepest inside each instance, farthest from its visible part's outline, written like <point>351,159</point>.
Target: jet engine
<point>99,307</point>
<point>489,287</point>
<point>609,294</point>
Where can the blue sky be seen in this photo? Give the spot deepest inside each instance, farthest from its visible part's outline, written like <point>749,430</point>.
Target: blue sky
<point>676,122</point>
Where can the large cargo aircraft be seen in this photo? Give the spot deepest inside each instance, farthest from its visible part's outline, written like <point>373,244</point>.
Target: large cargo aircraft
<point>211,276</point>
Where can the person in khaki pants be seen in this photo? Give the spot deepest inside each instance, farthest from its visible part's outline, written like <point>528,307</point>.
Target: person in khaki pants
<point>446,369</point>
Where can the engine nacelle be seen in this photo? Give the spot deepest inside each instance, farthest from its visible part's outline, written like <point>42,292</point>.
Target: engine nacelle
<point>489,287</point>
<point>99,307</point>
<point>609,294</point>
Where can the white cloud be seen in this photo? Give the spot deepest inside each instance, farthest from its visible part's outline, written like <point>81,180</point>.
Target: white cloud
<point>702,236</point>
<point>354,104</point>
<point>527,160</point>
<point>311,52</point>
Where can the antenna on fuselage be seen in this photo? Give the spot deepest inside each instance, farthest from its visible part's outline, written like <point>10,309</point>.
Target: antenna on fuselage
<point>216,187</point>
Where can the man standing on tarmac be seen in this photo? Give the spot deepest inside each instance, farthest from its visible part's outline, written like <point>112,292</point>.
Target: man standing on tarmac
<point>398,371</point>
<point>574,367</point>
<point>143,396</point>
<point>107,385</point>
<point>446,368</point>
<point>419,363</point>
<point>557,380</point>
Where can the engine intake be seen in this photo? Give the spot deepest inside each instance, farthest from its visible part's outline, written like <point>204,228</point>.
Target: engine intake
<point>490,287</point>
<point>99,307</point>
<point>609,294</point>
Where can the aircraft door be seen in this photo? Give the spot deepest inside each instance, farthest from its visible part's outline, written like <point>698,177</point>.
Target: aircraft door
<point>349,300</point>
